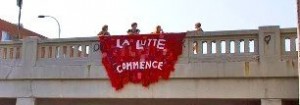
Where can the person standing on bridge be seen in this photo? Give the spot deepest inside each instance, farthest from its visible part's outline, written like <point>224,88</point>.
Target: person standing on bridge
<point>104,31</point>
<point>134,30</point>
<point>158,30</point>
<point>199,31</point>
<point>198,28</point>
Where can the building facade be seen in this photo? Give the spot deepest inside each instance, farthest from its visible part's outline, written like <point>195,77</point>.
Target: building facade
<point>9,31</point>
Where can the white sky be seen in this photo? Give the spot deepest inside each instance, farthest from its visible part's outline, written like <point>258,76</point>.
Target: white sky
<point>84,18</point>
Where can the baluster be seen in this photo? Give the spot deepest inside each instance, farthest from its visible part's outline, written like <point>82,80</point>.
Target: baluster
<point>209,48</point>
<point>218,47</point>
<point>15,53</point>
<point>237,46</point>
<point>191,46</point>
<point>53,51</point>
<point>18,52</point>
<point>76,51</point>
<point>11,54</point>
<point>256,46</point>
<point>39,52</point>
<point>50,51</point>
<point>72,51</point>
<point>83,54</point>
<point>43,52</point>
<point>227,45</point>
<point>46,52</point>
<point>90,48</point>
<point>200,46</point>
<point>283,48</point>
<point>65,48</point>
<point>7,53</point>
<point>60,51</point>
<point>2,53</point>
<point>293,44</point>
<point>246,45</point>
<point>57,51</point>
<point>65,51</point>
<point>68,51</point>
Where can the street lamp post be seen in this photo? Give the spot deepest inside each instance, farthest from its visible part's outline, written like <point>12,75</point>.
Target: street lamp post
<point>58,51</point>
<point>43,16</point>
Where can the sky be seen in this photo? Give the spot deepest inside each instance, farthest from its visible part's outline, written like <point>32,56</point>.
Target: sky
<point>84,18</point>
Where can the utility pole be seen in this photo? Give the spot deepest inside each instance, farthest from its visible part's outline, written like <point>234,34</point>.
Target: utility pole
<point>19,4</point>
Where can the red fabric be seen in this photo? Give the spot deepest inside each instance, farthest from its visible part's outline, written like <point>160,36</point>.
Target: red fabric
<point>159,58</point>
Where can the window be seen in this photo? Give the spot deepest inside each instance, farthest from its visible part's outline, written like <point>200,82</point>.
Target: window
<point>5,36</point>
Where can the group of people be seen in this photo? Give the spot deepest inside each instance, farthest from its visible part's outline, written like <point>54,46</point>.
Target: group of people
<point>135,31</point>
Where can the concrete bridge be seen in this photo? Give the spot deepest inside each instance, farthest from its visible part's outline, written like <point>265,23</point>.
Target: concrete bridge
<point>240,67</point>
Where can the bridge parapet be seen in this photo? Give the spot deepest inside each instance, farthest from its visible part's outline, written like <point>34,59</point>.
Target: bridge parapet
<point>266,52</point>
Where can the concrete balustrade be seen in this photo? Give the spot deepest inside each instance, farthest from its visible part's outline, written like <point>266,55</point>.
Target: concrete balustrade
<point>242,47</point>
<point>10,50</point>
<point>216,47</point>
<point>288,44</point>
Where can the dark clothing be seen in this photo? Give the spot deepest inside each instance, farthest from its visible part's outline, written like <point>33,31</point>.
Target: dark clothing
<point>103,33</point>
<point>136,31</point>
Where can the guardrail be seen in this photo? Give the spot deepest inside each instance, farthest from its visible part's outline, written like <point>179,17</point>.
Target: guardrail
<point>217,46</point>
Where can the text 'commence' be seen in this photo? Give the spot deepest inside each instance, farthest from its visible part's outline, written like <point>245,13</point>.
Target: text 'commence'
<point>142,65</point>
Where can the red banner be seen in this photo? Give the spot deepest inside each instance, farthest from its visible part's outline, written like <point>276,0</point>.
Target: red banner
<point>140,58</point>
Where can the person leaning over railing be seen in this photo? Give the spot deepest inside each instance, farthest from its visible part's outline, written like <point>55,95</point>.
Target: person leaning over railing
<point>104,31</point>
<point>158,30</point>
<point>199,31</point>
<point>134,30</point>
<point>198,28</point>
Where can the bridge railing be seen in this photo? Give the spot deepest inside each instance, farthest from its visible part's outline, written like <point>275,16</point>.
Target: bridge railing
<point>289,47</point>
<point>223,47</point>
<point>10,52</point>
<point>218,46</point>
<point>69,51</point>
